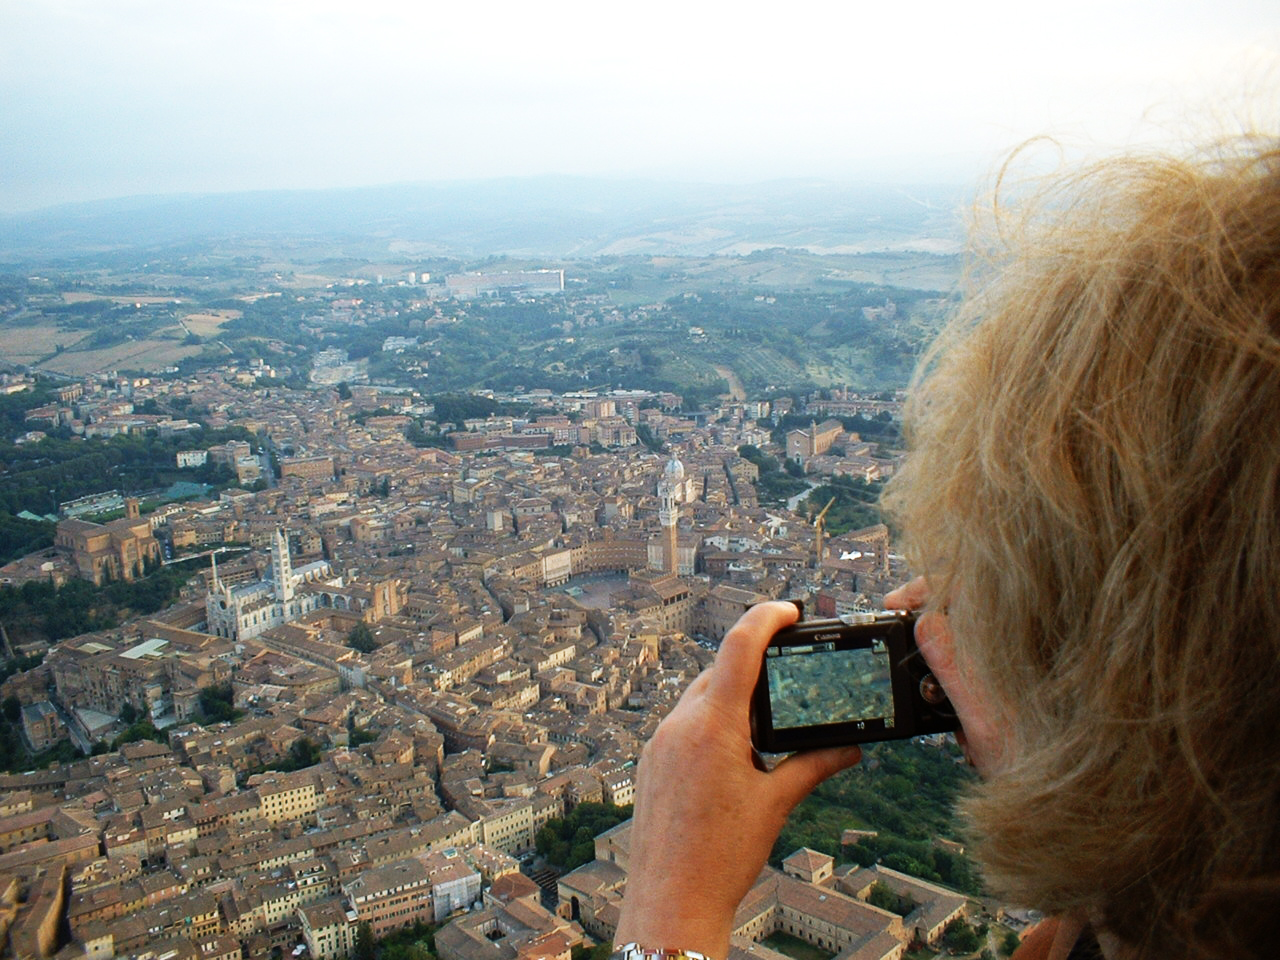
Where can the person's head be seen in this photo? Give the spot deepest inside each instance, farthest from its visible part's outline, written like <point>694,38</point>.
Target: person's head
<point>1093,489</point>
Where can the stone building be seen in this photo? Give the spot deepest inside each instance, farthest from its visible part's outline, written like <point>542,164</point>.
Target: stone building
<point>804,445</point>
<point>117,550</point>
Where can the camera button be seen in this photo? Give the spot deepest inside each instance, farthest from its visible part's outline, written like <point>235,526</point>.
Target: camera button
<point>931,690</point>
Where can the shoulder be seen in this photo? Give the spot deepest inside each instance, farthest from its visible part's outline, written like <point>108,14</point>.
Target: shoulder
<point>1058,938</point>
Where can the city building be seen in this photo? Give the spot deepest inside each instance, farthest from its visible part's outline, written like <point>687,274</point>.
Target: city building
<point>470,285</point>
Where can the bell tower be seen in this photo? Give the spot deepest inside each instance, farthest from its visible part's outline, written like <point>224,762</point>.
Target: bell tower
<point>669,513</point>
<point>281,567</point>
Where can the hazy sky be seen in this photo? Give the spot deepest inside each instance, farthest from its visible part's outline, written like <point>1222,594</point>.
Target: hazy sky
<point>103,98</point>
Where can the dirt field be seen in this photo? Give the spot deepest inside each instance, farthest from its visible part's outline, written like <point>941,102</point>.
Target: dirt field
<point>736,390</point>
<point>134,355</point>
<point>26,344</point>
<point>79,297</point>
<point>208,324</point>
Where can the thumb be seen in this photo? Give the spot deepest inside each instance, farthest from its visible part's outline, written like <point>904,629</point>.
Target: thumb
<point>796,776</point>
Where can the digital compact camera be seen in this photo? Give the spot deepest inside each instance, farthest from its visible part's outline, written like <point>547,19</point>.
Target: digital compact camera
<point>855,679</point>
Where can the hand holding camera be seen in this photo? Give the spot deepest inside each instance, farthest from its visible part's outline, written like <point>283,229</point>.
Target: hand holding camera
<point>706,817</point>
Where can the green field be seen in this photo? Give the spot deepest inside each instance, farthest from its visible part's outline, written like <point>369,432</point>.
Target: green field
<point>795,948</point>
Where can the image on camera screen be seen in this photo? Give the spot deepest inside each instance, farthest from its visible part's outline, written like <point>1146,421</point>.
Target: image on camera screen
<point>810,685</point>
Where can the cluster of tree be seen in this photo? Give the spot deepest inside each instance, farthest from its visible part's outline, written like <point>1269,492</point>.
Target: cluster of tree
<point>570,841</point>
<point>884,897</point>
<point>361,638</point>
<point>14,407</point>
<point>19,665</point>
<point>217,704</point>
<point>142,729</point>
<point>416,434</point>
<point>961,937</point>
<point>19,536</point>
<point>38,609</point>
<point>795,327</point>
<point>364,416</point>
<point>39,476</point>
<point>903,790</point>
<point>264,319</point>
<point>774,485</point>
<point>645,436</point>
<point>414,942</point>
<point>854,506</point>
<point>302,753</point>
<point>601,951</point>
<point>357,737</point>
<point>457,407</point>
<point>920,859</point>
<point>15,756</point>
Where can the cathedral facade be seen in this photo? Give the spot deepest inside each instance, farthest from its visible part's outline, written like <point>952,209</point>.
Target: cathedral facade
<point>245,610</point>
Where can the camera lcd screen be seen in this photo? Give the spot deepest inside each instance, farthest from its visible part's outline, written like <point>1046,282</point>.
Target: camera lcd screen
<point>819,683</point>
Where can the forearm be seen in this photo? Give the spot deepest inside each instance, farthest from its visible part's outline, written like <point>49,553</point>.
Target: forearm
<point>706,817</point>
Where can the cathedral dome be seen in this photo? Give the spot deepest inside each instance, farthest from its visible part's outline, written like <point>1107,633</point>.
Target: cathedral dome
<point>674,471</point>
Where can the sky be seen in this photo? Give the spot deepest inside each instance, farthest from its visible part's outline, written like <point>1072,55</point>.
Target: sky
<point>108,98</point>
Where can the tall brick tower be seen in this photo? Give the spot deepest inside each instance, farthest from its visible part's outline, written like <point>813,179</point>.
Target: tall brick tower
<point>669,513</point>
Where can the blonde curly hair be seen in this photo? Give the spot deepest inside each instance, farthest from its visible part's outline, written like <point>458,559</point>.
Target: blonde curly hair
<point>1094,488</point>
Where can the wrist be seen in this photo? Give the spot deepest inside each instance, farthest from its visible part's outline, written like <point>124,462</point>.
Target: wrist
<point>659,932</point>
<point>636,951</point>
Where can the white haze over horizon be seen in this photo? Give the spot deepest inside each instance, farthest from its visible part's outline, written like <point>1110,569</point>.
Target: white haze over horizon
<point>109,98</point>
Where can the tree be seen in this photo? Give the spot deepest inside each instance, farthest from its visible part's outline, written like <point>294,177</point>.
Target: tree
<point>364,949</point>
<point>128,713</point>
<point>961,937</point>
<point>12,708</point>
<point>1009,944</point>
<point>884,897</point>
<point>142,730</point>
<point>645,436</point>
<point>344,391</point>
<point>570,841</point>
<point>303,753</point>
<point>601,951</point>
<point>217,704</point>
<point>361,638</point>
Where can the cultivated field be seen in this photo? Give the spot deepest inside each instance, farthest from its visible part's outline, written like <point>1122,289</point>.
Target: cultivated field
<point>29,343</point>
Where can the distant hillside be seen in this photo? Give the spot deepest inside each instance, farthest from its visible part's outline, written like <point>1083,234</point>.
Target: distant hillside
<point>541,216</point>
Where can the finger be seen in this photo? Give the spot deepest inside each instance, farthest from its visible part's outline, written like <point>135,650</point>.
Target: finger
<point>911,596</point>
<point>933,637</point>
<point>796,776</point>
<point>737,665</point>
